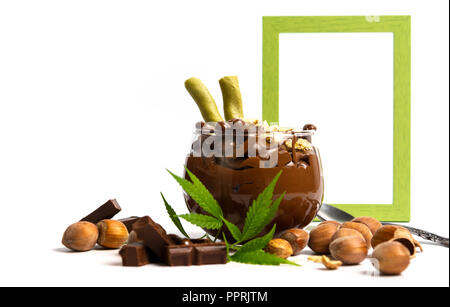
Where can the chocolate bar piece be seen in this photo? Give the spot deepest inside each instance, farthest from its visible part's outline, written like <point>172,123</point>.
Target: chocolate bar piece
<point>104,212</point>
<point>185,241</point>
<point>177,255</point>
<point>135,254</point>
<point>194,252</point>
<point>129,221</point>
<point>152,235</point>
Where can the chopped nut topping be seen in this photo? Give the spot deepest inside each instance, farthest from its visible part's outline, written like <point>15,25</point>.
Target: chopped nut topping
<point>282,129</point>
<point>288,143</point>
<point>253,121</point>
<point>301,144</point>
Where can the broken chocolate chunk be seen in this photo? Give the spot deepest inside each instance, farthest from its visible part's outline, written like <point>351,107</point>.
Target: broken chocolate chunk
<point>152,235</point>
<point>195,254</point>
<point>135,254</point>
<point>129,221</point>
<point>104,212</point>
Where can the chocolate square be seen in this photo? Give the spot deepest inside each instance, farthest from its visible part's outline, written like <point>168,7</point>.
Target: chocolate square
<point>196,254</point>
<point>211,254</point>
<point>135,254</point>
<point>152,235</point>
<point>179,255</point>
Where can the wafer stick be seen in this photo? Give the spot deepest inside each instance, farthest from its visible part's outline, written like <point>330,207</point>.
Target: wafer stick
<point>204,100</point>
<point>232,99</point>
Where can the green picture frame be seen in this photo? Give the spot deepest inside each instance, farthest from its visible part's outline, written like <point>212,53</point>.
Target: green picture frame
<point>400,26</point>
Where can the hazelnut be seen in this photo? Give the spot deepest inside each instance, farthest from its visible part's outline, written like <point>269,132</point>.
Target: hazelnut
<point>362,228</point>
<point>298,238</point>
<point>392,258</point>
<point>320,238</point>
<point>330,222</point>
<point>279,247</point>
<point>349,250</point>
<point>80,236</point>
<point>112,233</point>
<point>400,234</point>
<point>370,222</point>
<point>346,232</point>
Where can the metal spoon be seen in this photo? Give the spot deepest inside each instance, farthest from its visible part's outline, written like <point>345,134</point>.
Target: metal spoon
<point>328,212</point>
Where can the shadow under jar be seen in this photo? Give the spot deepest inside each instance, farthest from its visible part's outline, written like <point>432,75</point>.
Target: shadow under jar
<point>237,164</point>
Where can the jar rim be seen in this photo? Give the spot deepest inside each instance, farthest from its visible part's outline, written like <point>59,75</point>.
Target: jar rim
<point>298,133</point>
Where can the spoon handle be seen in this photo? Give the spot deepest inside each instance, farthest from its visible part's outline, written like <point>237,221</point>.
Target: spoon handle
<point>425,235</point>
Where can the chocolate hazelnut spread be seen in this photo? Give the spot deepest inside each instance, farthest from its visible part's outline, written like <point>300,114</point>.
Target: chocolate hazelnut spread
<point>235,181</point>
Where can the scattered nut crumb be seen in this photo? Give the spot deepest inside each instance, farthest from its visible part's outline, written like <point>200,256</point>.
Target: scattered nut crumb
<point>316,259</point>
<point>331,264</point>
<point>327,262</point>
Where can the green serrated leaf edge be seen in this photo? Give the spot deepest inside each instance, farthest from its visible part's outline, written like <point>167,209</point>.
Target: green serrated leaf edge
<point>202,220</point>
<point>257,243</point>
<point>234,230</point>
<point>215,208</point>
<point>273,209</point>
<point>258,213</point>
<point>260,257</point>
<point>199,193</point>
<point>173,216</point>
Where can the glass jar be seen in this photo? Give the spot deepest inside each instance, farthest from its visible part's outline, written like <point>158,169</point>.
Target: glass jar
<point>236,161</point>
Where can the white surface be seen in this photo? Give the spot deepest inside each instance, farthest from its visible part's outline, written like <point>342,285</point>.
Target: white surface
<point>86,87</point>
<point>64,268</point>
<point>343,83</point>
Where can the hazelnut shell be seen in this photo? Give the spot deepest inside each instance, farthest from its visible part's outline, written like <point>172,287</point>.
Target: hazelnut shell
<point>298,238</point>
<point>391,258</point>
<point>80,236</point>
<point>111,233</point>
<point>400,234</point>
<point>370,222</point>
<point>346,232</point>
<point>349,250</point>
<point>330,222</point>
<point>320,238</point>
<point>279,247</point>
<point>362,228</point>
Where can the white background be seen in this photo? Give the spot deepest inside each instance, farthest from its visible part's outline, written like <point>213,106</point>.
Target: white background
<point>92,106</point>
<point>343,83</point>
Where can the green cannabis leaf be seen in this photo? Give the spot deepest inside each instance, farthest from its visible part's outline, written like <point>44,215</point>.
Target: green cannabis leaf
<point>273,209</point>
<point>227,246</point>
<point>234,230</point>
<point>259,257</point>
<point>173,216</point>
<point>261,211</point>
<point>204,221</point>
<point>199,193</point>
<point>257,243</point>
<point>259,215</point>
